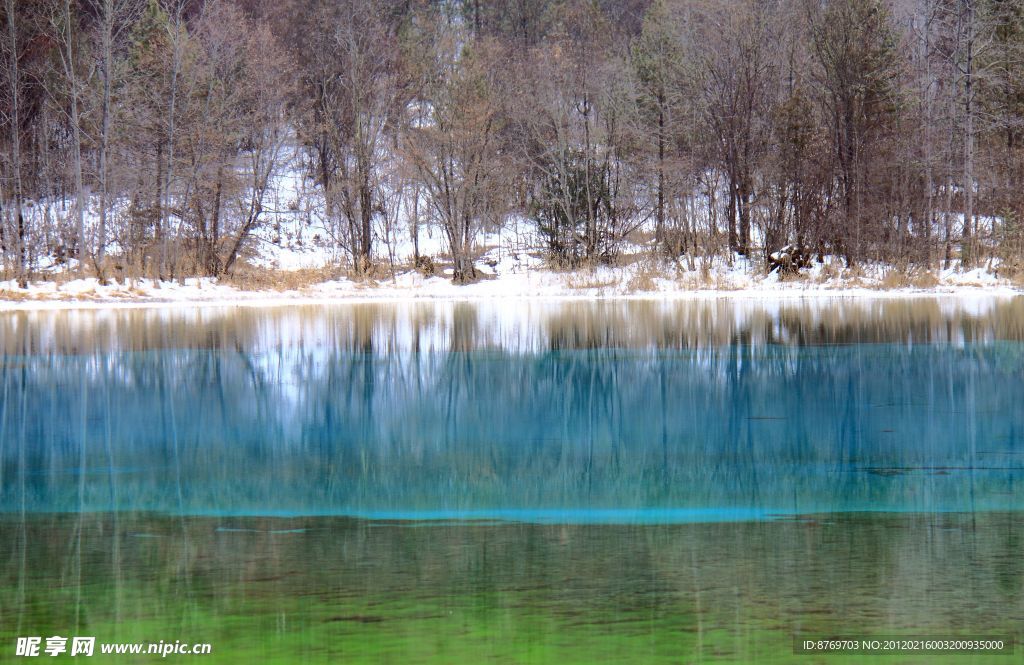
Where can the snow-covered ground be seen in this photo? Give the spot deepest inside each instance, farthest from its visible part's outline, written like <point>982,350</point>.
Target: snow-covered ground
<point>512,277</point>
<point>296,238</point>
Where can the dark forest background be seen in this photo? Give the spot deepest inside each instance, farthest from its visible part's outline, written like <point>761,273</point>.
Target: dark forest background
<point>143,137</point>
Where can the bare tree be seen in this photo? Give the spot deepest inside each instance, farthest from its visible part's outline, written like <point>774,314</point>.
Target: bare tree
<point>856,69</point>
<point>267,88</point>
<point>65,25</point>
<point>351,74</point>
<point>14,239</point>
<point>659,60</point>
<point>115,19</point>
<point>455,153</point>
<point>738,74</point>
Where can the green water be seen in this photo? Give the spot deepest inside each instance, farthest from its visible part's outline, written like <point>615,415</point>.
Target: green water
<point>321,590</point>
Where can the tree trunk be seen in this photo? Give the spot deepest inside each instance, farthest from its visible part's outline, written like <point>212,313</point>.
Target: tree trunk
<point>21,259</point>
<point>416,227</point>
<point>732,214</point>
<point>366,223</point>
<point>106,63</point>
<point>169,170</point>
<point>967,252</point>
<point>76,139</point>
<point>659,230</point>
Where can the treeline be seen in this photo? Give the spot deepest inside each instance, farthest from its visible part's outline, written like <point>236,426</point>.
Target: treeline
<point>143,137</point>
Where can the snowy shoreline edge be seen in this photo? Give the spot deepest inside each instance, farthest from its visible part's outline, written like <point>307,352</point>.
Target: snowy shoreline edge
<point>413,288</point>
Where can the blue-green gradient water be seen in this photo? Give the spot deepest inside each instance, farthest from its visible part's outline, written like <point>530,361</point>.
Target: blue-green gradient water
<point>626,413</point>
<point>514,482</point>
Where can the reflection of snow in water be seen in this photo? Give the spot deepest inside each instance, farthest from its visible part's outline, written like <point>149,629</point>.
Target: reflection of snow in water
<point>452,409</point>
<point>516,325</point>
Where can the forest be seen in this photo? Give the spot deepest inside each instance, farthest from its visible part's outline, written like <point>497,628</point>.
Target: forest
<point>145,138</point>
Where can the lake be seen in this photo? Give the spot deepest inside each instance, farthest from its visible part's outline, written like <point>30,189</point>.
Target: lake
<point>525,481</point>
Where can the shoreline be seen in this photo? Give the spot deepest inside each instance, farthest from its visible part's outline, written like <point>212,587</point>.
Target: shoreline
<point>539,286</point>
<point>256,299</point>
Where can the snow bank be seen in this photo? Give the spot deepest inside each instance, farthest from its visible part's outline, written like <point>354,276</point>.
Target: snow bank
<point>509,277</point>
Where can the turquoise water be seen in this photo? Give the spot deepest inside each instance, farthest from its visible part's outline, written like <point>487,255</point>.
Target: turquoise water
<point>560,429</point>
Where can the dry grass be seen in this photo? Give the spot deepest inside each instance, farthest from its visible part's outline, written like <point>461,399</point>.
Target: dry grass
<point>642,281</point>
<point>553,264</point>
<point>586,279</point>
<point>855,277</point>
<point>706,280</point>
<point>647,270</point>
<point>793,277</point>
<point>701,280</point>
<point>1016,278</point>
<point>426,267</point>
<point>15,296</point>
<point>1012,272</point>
<point>828,272</point>
<point>250,278</point>
<point>914,278</point>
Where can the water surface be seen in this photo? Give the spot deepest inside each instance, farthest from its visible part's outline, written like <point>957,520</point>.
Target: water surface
<point>518,481</point>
